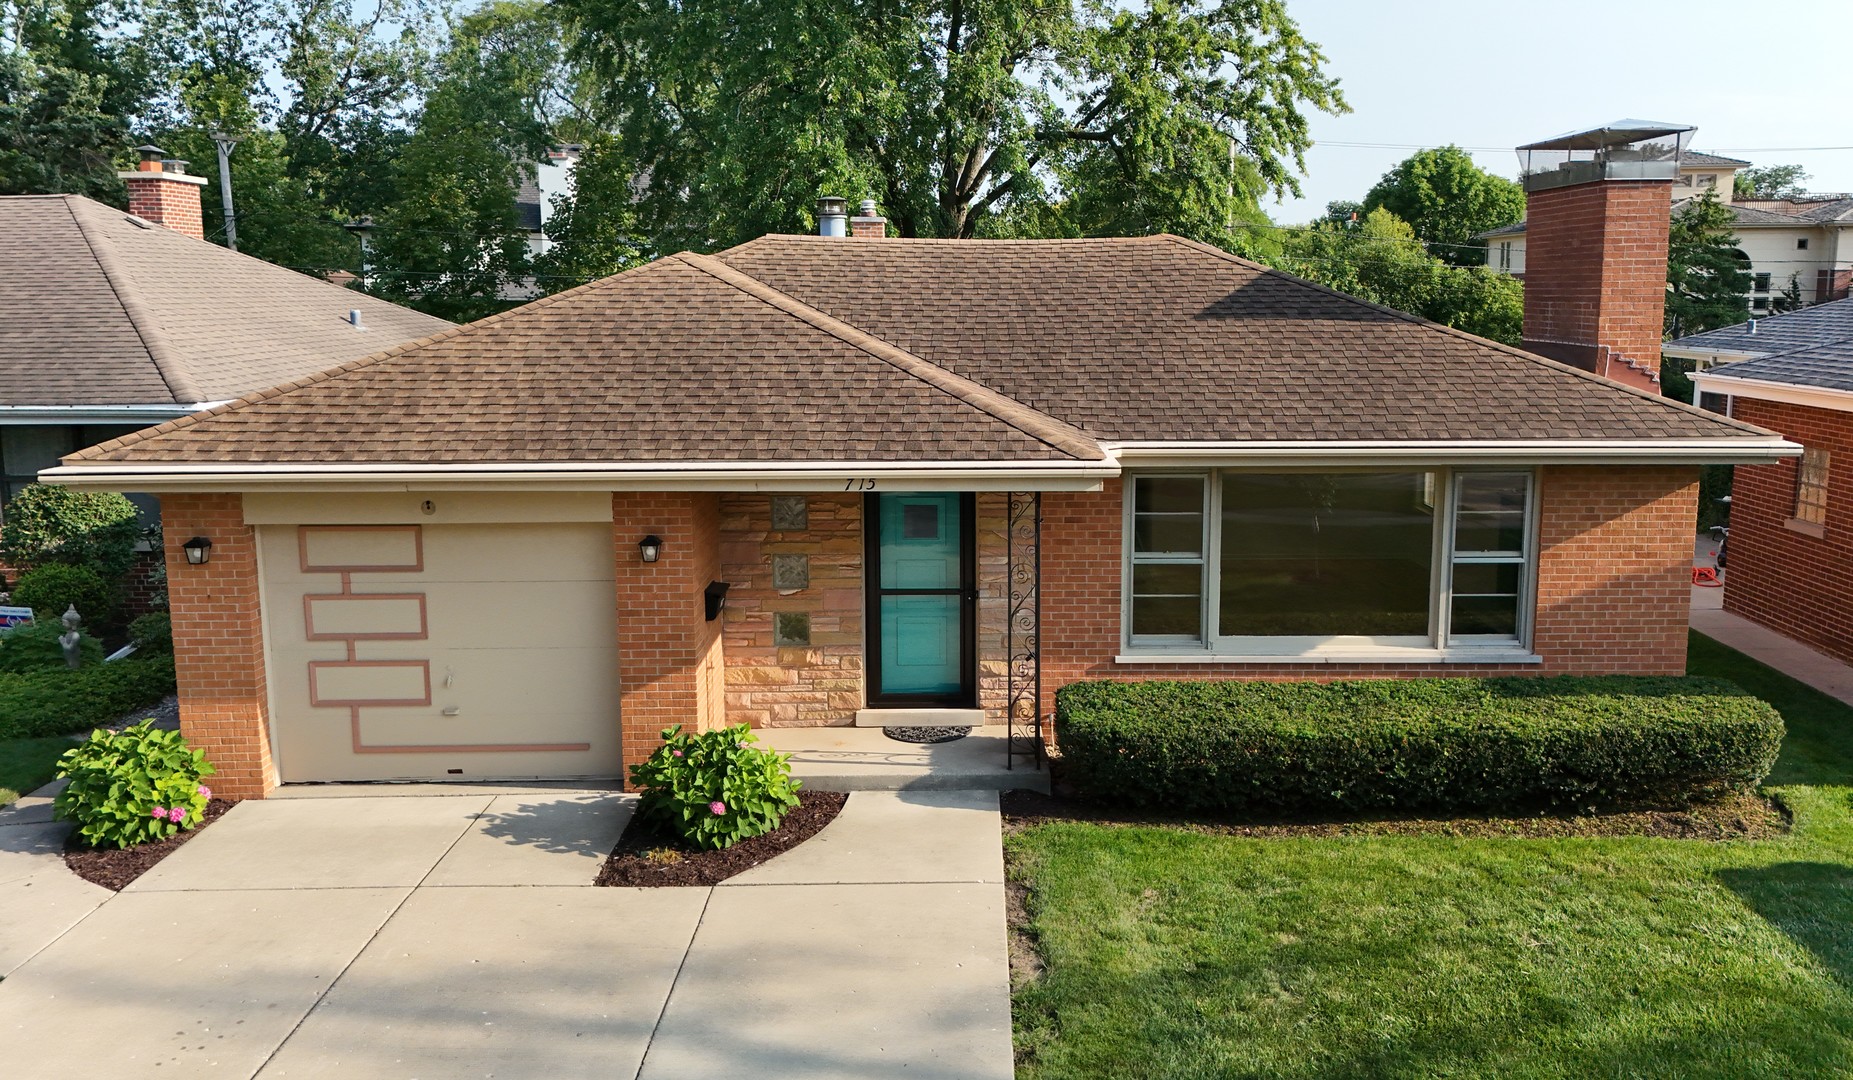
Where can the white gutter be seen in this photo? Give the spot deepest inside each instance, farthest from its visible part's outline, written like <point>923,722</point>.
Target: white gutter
<point>1731,450</point>
<point>1725,356</point>
<point>1819,397</point>
<point>99,414</point>
<point>592,476</point>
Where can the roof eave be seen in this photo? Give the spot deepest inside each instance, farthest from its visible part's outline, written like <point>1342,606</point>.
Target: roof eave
<point>592,476</point>
<point>1808,394</point>
<point>1723,450</point>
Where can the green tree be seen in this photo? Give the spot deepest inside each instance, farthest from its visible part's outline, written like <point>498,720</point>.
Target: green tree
<point>1770,182</point>
<point>1707,278</point>
<point>1449,201</point>
<point>960,118</point>
<point>55,133</point>
<point>452,243</point>
<point>592,232</point>
<point>1379,259</point>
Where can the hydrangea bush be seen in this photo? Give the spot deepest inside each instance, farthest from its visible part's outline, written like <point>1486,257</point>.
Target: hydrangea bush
<point>715,788</point>
<point>133,786</point>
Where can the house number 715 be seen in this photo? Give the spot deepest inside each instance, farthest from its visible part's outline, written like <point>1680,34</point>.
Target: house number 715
<point>859,485</point>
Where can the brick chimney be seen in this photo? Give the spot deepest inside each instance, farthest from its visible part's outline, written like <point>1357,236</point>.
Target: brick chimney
<point>1596,214</point>
<point>162,191</point>
<point>867,222</point>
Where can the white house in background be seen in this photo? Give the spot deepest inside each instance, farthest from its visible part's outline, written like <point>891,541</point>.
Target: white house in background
<point>1806,240</point>
<point>546,180</point>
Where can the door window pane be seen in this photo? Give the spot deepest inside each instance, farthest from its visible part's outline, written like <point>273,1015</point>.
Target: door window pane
<point>920,645</point>
<point>1325,554</point>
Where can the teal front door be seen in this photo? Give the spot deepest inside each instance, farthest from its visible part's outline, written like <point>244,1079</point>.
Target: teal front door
<point>922,599</point>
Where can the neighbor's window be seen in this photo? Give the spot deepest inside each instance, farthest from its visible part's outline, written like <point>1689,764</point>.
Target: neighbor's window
<point>1280,562</point>
<point>1811,487</point>
<point>1801,243</point>
<point>1759,282</point>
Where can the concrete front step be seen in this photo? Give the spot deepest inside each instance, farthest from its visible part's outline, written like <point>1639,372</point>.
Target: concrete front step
<point>882,718</point>
<point>864,759</point>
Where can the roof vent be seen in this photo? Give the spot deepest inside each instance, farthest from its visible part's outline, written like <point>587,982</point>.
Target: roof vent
<point>1753,326</point>
<point>832,216</point>
<point>353,317</point>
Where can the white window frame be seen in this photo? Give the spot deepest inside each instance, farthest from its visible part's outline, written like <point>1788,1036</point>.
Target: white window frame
<point>1133,558</point>
<point>1438,645</point>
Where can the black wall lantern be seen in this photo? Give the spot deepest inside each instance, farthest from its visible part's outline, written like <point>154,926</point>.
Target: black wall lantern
<point>716,596</point>
<point>198,549</point>
<point>650,547</point>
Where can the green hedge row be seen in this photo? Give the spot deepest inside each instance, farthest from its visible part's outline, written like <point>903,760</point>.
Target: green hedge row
<point>1419,744</point>
<point>64,702</point>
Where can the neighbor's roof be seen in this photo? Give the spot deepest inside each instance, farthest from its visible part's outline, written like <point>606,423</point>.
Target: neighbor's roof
<point>1809,347</point>
<point>1702,160</point>
<point>103,308</point>
<point>819,349</point>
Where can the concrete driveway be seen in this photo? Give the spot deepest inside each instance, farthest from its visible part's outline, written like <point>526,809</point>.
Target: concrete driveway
<point>437,932</point>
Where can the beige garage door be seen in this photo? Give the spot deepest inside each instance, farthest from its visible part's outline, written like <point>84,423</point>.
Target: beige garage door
<point>441,651</point>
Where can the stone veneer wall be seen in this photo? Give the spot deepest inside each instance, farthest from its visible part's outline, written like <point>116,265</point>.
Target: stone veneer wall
<point>822,683</point>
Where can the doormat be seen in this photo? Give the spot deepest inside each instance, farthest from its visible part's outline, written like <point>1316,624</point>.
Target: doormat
<point>926,734</point>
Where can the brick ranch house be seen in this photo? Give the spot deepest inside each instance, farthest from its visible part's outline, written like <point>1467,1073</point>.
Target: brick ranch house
<point>497,551</point>
<point>1791,558</point>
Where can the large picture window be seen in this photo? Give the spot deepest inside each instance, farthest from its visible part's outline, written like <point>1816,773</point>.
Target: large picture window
<point>1281,563</point>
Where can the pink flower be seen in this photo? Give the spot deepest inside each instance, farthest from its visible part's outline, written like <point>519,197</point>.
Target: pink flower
<point>205,792</point>
<point>176,815</point>
<point>717,807</point>
<point>158,813</point>
<point>675,753</point>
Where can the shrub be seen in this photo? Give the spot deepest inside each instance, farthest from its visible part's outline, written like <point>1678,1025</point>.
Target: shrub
<point>1419,744</point>
<point>52,588</point>
<point>35,647</point>
<point>153,634</point>
<point>59,702</point>
<point>46,524</point>
<point>132,786</point>
<point>715,788</point>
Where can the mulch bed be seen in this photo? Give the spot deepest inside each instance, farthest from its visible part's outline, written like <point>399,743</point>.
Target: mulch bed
<point>648,857</point>
<point>113,868</point>
<point>1737,817</point>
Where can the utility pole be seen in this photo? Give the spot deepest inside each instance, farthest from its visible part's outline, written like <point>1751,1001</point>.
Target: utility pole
<point>225,143</point>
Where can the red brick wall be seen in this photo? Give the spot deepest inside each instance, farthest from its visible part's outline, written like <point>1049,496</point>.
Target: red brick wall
<point>219,642</point>
<point>670,662</point>
<point>1613,585</point>
<point>172,203</point>
<point>1830,285</point>
<point>1788,580</point>
<point>1595,267</point>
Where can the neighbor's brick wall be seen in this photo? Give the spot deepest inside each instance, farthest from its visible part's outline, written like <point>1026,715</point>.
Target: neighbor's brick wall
<point>1789,581</point>
<point>219,642</point>
<point>1595,266</point>
<point>670,657</point>
<point>172,203</point>
<point>1613,586</point>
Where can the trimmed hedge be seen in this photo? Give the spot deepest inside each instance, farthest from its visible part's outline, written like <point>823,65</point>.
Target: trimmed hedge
<point>1419,744</point>
<point>64,702</point>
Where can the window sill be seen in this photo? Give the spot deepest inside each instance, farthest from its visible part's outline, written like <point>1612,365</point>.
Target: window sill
<point>1806,528</point>
<point>1387,655</point>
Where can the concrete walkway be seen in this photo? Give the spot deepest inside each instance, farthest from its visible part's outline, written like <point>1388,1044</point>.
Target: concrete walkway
<point>436,932</point>
<point>1794,659</point>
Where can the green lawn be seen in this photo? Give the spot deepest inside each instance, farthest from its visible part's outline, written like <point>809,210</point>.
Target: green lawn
<point>26,764</point>
<point>1180,954</point>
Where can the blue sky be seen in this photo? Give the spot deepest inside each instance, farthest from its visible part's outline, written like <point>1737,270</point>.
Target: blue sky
<point>1496,73</point>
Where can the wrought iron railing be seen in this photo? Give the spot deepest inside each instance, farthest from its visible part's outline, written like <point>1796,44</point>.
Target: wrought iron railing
<point>1023,629</point>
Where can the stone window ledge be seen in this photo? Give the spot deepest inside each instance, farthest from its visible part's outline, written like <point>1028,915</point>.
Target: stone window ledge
<point>1806,528</point>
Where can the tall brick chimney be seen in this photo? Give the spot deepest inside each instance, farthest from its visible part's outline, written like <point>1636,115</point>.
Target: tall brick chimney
<point>162,191</point>
<point>1597,208</point>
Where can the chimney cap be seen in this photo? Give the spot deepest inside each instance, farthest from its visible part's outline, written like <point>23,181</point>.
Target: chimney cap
<point>1612,134</point>
<point>832,215</point>
<point>151,152</point>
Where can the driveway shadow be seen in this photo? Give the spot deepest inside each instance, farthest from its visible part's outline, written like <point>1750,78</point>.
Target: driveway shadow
<point>566,824</point>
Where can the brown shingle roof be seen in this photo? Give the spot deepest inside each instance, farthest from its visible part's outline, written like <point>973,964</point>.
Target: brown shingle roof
<point>812,349</point>
<point>1161,338</point>
<point>674,361</point>
<point>103,309</point>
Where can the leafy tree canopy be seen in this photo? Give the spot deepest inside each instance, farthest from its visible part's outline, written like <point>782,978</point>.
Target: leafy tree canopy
<point>961,118</point>
<point>1707,278</point>
<point>1770,182</point>
<point>1380,259</point>
<point>1448,201</point>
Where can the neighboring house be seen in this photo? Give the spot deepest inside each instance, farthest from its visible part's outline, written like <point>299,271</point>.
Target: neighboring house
<point>1791,565</point>
<point>1806,240</point>
<point>110,322</point>
<point>542,183</point>
<point>849,479</point>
